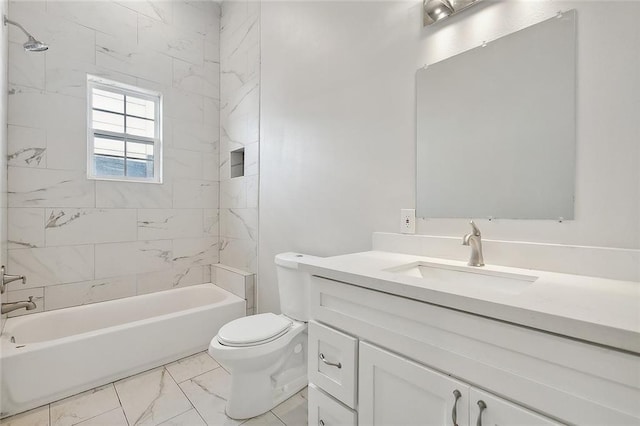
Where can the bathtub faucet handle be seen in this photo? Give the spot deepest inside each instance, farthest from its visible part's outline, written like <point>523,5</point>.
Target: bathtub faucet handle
<point>6,279</point>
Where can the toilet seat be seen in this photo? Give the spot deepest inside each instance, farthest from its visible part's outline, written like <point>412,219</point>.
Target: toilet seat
<point>254,330</point>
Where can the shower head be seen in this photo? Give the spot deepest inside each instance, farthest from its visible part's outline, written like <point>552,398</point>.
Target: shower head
<point>31,45</point>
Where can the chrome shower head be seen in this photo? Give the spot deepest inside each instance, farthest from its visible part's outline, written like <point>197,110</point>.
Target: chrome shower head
<point>31,45</point>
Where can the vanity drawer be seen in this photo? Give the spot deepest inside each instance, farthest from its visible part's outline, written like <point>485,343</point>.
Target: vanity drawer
<point>324,410</point>
<point>333,362</point>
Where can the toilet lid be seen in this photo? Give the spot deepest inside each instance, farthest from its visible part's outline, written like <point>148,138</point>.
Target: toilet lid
<point>254,329</point>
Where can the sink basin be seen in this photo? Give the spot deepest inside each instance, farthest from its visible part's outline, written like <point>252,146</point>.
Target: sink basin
<point>435,273</point>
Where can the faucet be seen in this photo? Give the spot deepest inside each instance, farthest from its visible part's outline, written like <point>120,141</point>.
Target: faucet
<point>6,279</point>
<point>29,305</point>
<point>474,239</point>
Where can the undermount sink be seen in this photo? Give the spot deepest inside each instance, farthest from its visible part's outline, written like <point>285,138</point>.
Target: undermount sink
<point>435,273</point>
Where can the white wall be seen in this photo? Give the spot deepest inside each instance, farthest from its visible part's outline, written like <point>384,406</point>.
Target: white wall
<point>81,241</point>
<point>338,123</point>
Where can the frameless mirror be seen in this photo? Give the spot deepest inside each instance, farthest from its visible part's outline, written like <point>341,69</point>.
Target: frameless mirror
<point>496,127</point>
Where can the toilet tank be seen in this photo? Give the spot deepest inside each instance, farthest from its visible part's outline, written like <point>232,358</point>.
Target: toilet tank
<point>293,286</point>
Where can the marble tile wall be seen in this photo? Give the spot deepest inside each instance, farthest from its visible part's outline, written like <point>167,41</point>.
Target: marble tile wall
<point>81,241</point>
<point>239,282</point>
<point>239,128</point>
<point>4,55</point>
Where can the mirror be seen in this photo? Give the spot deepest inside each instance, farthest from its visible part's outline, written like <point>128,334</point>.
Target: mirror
<point>496,128</point>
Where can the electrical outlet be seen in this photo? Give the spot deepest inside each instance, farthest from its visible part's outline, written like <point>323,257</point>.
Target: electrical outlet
<point>408,221</point>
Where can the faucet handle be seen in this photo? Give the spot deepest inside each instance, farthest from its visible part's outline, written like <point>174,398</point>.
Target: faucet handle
<point>6,279</point>
<point>475,229</point>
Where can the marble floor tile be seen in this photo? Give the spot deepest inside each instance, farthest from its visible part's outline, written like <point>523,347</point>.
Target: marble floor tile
<point>293,411</point>
<point>36,417</point>
<point>110,418</point>
<point>190,418</point>
<point>190,367</point>
<point>77,408</point>
<point>151,398</point>
<point>267,419</point>
<point>208,393</point>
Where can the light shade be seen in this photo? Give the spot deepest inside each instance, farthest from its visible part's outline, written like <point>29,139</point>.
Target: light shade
<point>436,10</point>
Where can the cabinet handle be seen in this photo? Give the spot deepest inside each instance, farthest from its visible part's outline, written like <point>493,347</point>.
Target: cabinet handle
<point>321,422</point>
<point>454,412</point>
<point>329,363</point>
<point>482,406</point>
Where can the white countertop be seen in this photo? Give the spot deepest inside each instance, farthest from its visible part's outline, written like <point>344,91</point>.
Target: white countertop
<point>597,310</point>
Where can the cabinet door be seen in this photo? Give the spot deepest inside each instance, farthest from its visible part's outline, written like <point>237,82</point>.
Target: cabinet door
<point>396,391</point>
<point>499,412</point>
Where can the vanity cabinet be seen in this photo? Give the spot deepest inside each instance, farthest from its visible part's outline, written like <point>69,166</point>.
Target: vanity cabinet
<point>396,390</point>
<point>403,361</point>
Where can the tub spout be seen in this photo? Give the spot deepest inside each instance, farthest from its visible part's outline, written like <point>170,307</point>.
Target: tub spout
<point>29,305</point>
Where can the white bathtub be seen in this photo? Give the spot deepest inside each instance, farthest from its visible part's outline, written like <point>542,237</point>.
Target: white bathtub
<point>60,353</point>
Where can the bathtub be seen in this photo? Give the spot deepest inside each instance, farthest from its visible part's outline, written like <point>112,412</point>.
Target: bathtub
<point>51,355</point>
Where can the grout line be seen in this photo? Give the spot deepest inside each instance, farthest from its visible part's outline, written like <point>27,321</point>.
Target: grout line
<point>200,374</point>
<point>100,414</point>
<point>197,375</point>
<point>126,419</point>
<point>277,417</point>
<point>116,391</point>
<point>186,411</point>
<point>193,406</point>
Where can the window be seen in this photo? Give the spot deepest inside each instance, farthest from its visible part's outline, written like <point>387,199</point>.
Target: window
<point>124,141</point>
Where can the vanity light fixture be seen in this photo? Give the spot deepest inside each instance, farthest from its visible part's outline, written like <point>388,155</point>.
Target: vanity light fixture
<point>436,10</point>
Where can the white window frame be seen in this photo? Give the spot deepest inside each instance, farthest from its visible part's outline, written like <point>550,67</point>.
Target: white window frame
<point>94,82</point>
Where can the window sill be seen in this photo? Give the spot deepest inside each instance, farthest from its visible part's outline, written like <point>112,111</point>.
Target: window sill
<point>125,179</point>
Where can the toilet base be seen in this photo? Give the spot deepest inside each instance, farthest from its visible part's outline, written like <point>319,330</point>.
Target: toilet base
<point>247,405</point>
<point>267,377</point>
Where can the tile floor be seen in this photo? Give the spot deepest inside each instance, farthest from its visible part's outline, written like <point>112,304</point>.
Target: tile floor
<point>189,392</point>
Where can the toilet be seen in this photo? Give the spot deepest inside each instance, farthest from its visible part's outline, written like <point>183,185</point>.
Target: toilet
<point>266,354</point>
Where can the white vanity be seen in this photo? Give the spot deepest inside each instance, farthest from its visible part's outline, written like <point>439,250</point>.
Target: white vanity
<point>398,339</point>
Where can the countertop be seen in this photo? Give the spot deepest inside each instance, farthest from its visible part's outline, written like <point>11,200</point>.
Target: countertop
<point>597,310</point>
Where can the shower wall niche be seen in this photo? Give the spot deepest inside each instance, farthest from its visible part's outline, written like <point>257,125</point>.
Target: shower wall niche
<point>81,241</point>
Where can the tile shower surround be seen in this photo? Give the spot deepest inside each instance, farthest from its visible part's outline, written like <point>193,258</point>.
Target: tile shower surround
<point>239,128</point>
<point>81,241</point>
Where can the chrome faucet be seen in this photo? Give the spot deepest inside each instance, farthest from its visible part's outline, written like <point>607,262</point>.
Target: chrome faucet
<point>474,239</point>
<point>29,305</point>
<point>6,279</point>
